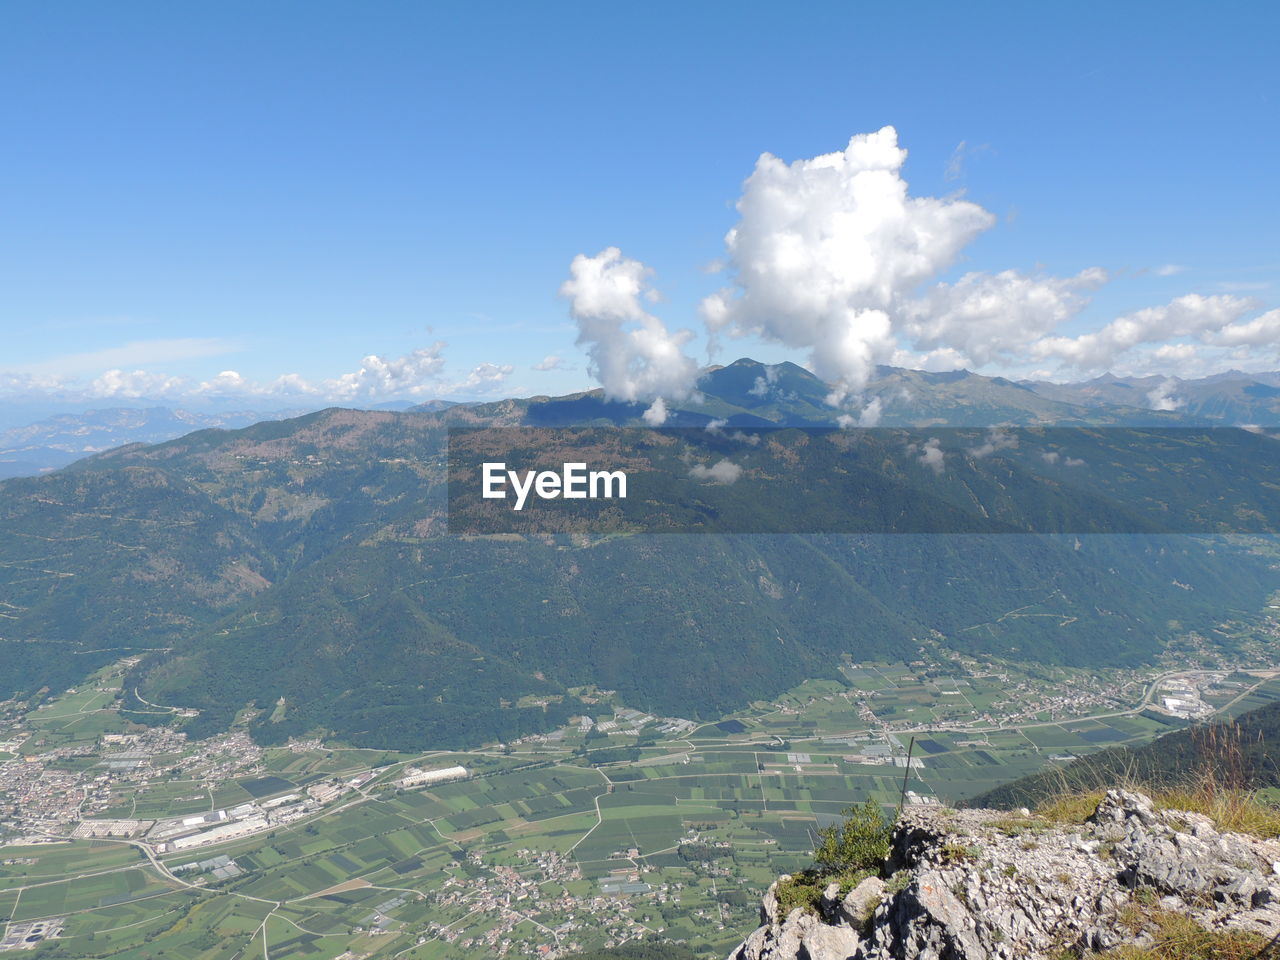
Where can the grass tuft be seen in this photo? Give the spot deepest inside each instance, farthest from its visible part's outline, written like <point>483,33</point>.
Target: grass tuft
<point>1217,788</point>
<point>1175,936</point>
<point>1234,810</point>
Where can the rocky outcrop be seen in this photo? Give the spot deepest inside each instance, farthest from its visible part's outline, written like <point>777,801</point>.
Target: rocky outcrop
<point>989,885</point>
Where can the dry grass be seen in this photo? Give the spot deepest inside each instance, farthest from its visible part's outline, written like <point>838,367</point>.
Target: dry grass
<point>1071,806</point>
<point>1238,811</point>
<point>1175,936</point>
<point>1216,787</point>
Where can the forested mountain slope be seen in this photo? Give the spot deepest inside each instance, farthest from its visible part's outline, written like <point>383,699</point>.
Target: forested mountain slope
<point>303,566</point>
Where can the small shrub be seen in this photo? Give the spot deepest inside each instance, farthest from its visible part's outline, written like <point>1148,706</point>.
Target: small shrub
<point>803,890</point>
<point>861,842</point>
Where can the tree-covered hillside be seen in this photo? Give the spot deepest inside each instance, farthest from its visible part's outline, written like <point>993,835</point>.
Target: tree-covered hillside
<point>305,567</point>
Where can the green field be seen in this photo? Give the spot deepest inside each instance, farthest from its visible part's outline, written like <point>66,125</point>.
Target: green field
<point>386,868</point>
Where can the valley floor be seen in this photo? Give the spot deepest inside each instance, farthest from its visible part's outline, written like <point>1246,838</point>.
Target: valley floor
<point>623,827</point>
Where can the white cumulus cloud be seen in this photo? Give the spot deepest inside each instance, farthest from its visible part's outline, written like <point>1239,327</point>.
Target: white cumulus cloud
<point>1207,319</point>
<point>827,249</point>
<point>485,378</point>
<point>632,353</point>
<point>413,374</point>
<point>983,318</point>
<point>416,374</point>
<point>132,384</point>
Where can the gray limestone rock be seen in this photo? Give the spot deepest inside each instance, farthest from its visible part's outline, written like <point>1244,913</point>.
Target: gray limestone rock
<point>987,884</point>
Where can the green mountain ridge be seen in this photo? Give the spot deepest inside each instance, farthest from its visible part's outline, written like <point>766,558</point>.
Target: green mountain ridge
<point>302,566</point>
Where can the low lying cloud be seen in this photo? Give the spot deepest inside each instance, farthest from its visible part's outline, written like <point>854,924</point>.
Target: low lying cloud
<point>868,417</point>
<point>485,378</point>
<point>1053,457</point>
<point>133,384</point>
<point>996,440</point>
<point>930,454</point>
<point>1162,398</point>
<point>656,414</point>
<point>723,472</point>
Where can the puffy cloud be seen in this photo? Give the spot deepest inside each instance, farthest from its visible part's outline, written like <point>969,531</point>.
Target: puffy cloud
<point>723,472</point>
<point>231,383</point>
<point>413,374</point>
<point>227,380</point>
<point>549,362</point>
<point>1193,315</point>
<point>1260,331</point>
<point>827,249</point>
<point>632,353</point>
<point>485,378</point>
<point>983,318</point>
<point>870,415</point>
<point>832,255</point>
<point>656,414</point>
<point>134,384</point>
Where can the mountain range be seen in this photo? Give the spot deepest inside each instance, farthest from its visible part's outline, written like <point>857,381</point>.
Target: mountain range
<point>302,569</point>
<point>745,393</point>
<point>748,393</point>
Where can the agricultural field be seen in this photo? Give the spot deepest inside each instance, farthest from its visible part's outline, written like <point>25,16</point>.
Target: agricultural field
<point>594,835</point>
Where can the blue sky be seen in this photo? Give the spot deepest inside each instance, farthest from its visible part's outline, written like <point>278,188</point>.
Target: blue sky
<point>288,188</point>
